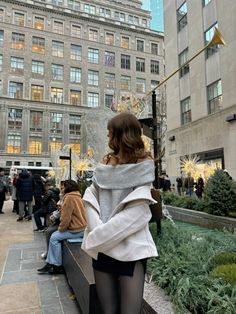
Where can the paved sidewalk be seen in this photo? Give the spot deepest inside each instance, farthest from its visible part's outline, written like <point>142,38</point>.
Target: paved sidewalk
<point>22,290</point>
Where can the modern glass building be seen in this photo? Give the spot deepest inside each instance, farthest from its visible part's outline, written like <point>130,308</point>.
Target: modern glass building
<point>156,9</point>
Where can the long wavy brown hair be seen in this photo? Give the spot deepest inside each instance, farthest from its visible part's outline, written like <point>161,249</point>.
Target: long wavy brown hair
<point>125,130</point>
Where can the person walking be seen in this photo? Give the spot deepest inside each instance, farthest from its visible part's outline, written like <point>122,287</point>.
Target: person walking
<point>3,189</point>
<point>72,225</point>
<point>189,184</point>
<point>199,186</point>
<point>24,187</point>
<point>117,206</point>
<point>179,181</point>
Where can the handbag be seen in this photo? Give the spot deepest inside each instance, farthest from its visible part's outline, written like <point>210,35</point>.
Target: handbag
<point>156,209</point>
<point>7,196</point>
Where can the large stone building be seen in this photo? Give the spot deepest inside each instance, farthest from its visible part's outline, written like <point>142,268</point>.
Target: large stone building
<point>60,59</point>
<point>201,98</point>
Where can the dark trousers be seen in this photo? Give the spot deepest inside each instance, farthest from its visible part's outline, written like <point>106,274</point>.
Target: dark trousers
<point>2,199</point>
<point>37,217</point>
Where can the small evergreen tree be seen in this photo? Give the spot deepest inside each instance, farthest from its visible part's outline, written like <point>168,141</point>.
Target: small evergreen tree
<point>220,194</point>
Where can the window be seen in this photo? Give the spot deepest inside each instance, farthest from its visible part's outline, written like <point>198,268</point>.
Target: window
<point>75,52</point>
<point>186,115</point>
<point>75,75</point>
<point>1,62</point>
<point>58,27</point>
<point>0,87</point>
<point>36,121</point>
<point>214,97</point>
<point>183,57</point>
<point>14,118</point>
<point>208,36</point>
<point>109,100</point>
<point>19,18</point>
<point>57,49</point>
<point>140,64</point>
<point>16,90</point>
<point>133,20</point>
<point>119,16</point>
<point>125,83</point>
<point>140,85</point>
<point>74,5</point>
<point>57,72</point>
<point>154,84</point>
<point>125,62</point>
<point>38,67</point>
<point>154,66</point>
<point>154,49</point>
<point>55,144</point>
<point>56,95</point>
<point>109,58</point>
<point>144,23</point>
<point>110,81</point>
<point>93,55</point>
<point>1,38</point>
<point>140,45</point>
<point>57,2</point>
<point>75,146</point>
<point>35,145</point>
<point>39,22</point>
<point>13,143</point>
<point>38,45</point>
<point>74,124</point>
<point>93,100</point>
<point>18,41</point>
<point>109,39</point>
<point>93,35</point>
<point>182,16</point>
<point>75,30</point>
<point>89,9</point>
<point>37,92</point>
<point>105,12</point>
<point>93,77</point>
<point>125,42</point>
<point>56,122</point>
<point>75,98</point>
<point>1,15</point>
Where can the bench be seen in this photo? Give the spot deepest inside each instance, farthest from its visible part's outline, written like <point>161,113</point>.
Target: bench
<point>79,272</point>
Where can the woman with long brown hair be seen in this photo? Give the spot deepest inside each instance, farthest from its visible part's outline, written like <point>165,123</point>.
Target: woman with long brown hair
<point>117,236</point>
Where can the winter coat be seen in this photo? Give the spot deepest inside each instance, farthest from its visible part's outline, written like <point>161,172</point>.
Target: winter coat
<point>25,186</point>
<point>50,199</point>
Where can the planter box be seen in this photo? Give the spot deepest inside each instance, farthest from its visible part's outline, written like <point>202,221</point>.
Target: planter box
<point>201,219</point>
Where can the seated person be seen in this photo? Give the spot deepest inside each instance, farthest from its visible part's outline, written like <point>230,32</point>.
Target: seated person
<point>72,225</point>
<point>49,204</point>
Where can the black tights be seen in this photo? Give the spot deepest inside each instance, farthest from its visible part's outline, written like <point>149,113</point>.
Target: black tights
<point>120,294</point>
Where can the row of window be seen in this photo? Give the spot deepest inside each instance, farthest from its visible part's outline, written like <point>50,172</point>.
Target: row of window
<point>38,43</point>
<point>57,94</point>
<point>19,18</point>
<point>214,99</point>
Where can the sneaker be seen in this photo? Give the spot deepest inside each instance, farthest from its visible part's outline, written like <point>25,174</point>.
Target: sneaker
<point>28,218</point>
<point>19,219</point>
<point>45,269</point>
<point>56,270</point>
<point>39,230</point>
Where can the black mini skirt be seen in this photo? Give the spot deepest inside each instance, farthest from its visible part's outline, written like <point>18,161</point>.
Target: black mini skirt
<point>108,264</point>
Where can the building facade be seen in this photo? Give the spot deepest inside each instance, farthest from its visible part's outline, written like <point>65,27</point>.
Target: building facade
<point>156,9</point>
<point>201,98</point>
<point>60,59</point>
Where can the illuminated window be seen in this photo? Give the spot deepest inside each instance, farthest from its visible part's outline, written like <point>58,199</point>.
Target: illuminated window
<point>154,66</point>
<point>140,64</point>
<point>13,143</point>
<point>58,27</point>
<point>214,97</point>
<point>38,45</point>
<point>125,62</point>
<point>93,77</point>
<point>74,124</point>
<point>17,64</point>
<point>18,41</point>
<point>109,58</point>
<point>35,145</point>
<point>55,122</point>
<point>75,75</point>
<point>125,83</point>
<point>16,90</point>
<point>57,95</point>
<point>75,52</point>
<point>182,16</point>
<point>125,42</point>
<point>109,39</point>
<point>39,22</point>
<point>19,18</point>
<point>140,45</point>
<point>208,36</point>
<point>38,67</point>
<point>57,49</point>
<point>186,115</point>
<point>14,118</point>
<point>75,30</point>
<point>93,100</point>
<point>36,121</point>
<point>57,72</point>
<point>93,35</point>
<point>1,38</point>
<point>93,55</point>
<point>140,85</point>
<point>75,147</point>
<point>55,144</point>
<point>110,81</point>
<point>37,92</point>
<point>75,98</point>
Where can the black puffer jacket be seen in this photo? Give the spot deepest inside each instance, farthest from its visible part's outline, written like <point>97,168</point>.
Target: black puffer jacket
<point>50,199</point>
<point>25,186</point>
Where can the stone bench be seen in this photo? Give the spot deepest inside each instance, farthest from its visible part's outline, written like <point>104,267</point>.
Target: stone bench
<point>79,272</point>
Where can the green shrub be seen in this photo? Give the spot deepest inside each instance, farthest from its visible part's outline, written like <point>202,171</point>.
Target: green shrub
<point>224,258</point>
<point>226,272</point>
